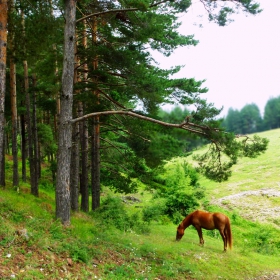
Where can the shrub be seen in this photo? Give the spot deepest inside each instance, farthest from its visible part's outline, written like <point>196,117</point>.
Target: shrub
<point>265,242</point>
<point>179,204</point>
<point>153,212</point>
<point>181,192</point>
<point>79,253</point>
<point>113,212</point>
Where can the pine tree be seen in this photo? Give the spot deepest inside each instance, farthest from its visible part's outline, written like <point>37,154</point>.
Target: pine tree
<point>3,61</point>
<point>272,113</point>
<point>65,127</point>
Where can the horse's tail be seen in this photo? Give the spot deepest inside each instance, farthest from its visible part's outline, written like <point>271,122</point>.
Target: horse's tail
<point>228,233</point>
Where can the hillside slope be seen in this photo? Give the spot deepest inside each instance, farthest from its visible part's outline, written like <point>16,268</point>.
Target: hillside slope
<point>253,190</point>
<point>33,245</point>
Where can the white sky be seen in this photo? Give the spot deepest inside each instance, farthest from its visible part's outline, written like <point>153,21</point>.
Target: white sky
<point>240,62</point>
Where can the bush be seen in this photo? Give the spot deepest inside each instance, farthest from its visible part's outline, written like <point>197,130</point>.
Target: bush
<point>181,192</point>
<point>266,242</point>
<point>179,204</point>
<point>113,212</point>
<point>79,253</point>
<point>153,212</point>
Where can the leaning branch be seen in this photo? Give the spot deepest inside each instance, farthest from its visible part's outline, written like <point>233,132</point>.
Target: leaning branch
<point>194,128</point>
<point>118,10</point>
<point>106,12</point>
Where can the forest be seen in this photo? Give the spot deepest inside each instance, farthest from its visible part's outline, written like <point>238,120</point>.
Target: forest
<point>249,120</point>
<point>81,94</point>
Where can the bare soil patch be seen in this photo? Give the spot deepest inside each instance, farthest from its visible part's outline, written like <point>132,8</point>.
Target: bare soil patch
<point>256,205</point>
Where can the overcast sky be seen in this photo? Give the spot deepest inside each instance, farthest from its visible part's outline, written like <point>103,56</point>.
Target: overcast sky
<point>240,62</point>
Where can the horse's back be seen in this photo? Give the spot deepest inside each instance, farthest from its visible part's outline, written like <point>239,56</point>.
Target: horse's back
<point>209,220</point>
<point>203,219</point>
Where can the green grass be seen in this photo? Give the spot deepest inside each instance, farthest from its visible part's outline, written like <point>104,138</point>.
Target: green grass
<point>92,248</point>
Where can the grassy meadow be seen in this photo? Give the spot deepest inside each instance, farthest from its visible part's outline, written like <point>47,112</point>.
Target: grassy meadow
<point>101,245</point>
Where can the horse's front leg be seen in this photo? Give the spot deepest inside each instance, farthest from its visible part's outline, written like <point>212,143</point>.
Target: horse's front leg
<point>199,231</point>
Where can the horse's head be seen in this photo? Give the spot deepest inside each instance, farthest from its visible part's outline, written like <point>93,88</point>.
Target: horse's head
<point>180,232</point>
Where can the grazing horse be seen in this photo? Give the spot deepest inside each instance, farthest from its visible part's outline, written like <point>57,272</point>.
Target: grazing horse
<point>200,219</point>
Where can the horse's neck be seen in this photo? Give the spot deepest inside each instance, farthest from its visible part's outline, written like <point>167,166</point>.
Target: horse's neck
<point>187,221</point>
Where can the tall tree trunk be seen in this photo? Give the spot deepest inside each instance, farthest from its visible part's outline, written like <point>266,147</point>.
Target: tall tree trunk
<point>65,127</point>
<point>84,140</point>
<point>29,120</point>
<point>11,43</point>
<point>95,163</point>
<point>22,117</point>
<point>23,148</point>
<point>37,162</point>
<point>14,120</point>
<point>56,95</point>
<point>84,165</point>
<point>75,168</point>
<point>2,171</point>
<point>3,59</point>
<point>6,142</point>
<point>95,145</point>
<point>75,152</point>
<point>33,175</point>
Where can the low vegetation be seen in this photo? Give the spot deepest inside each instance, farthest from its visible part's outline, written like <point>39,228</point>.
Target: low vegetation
<point>133,237</point>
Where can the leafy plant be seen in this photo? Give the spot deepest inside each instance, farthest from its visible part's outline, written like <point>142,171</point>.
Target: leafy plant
<point>179,204</point>
<point>114,213</point>
<point>180,190</point>
<point>153,212</point>
<point>79,253</point>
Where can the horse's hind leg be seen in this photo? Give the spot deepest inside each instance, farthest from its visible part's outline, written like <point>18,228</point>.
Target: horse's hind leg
<point>224,236</point>
<point>199,231</point>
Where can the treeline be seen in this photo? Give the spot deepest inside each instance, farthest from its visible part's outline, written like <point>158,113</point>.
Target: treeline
<point>249,119</point>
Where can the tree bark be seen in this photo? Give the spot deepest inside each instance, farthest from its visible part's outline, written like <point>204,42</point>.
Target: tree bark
<point>32,165</point>
<point>23,148</point>
<point>13,90</point>
<point>75,150</point>
<point>95,160</point>
<point>14,119</point>
<point>84,140</point>
<point>3,59</point>
<point>2,171</point>
<point>56,95</point>
<point>75,168</point>
<point>95,176</point>
<point>65,127</point>
<point>37,163</point>
<point>22,117</point>
<point>84,165</point>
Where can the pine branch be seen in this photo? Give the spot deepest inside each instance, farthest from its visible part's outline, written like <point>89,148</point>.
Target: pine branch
<point>118,10</point>
<point>194,128</point>
<point>106,12</point>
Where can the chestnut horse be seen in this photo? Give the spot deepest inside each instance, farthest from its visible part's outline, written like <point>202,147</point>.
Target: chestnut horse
<point>200,219</point>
